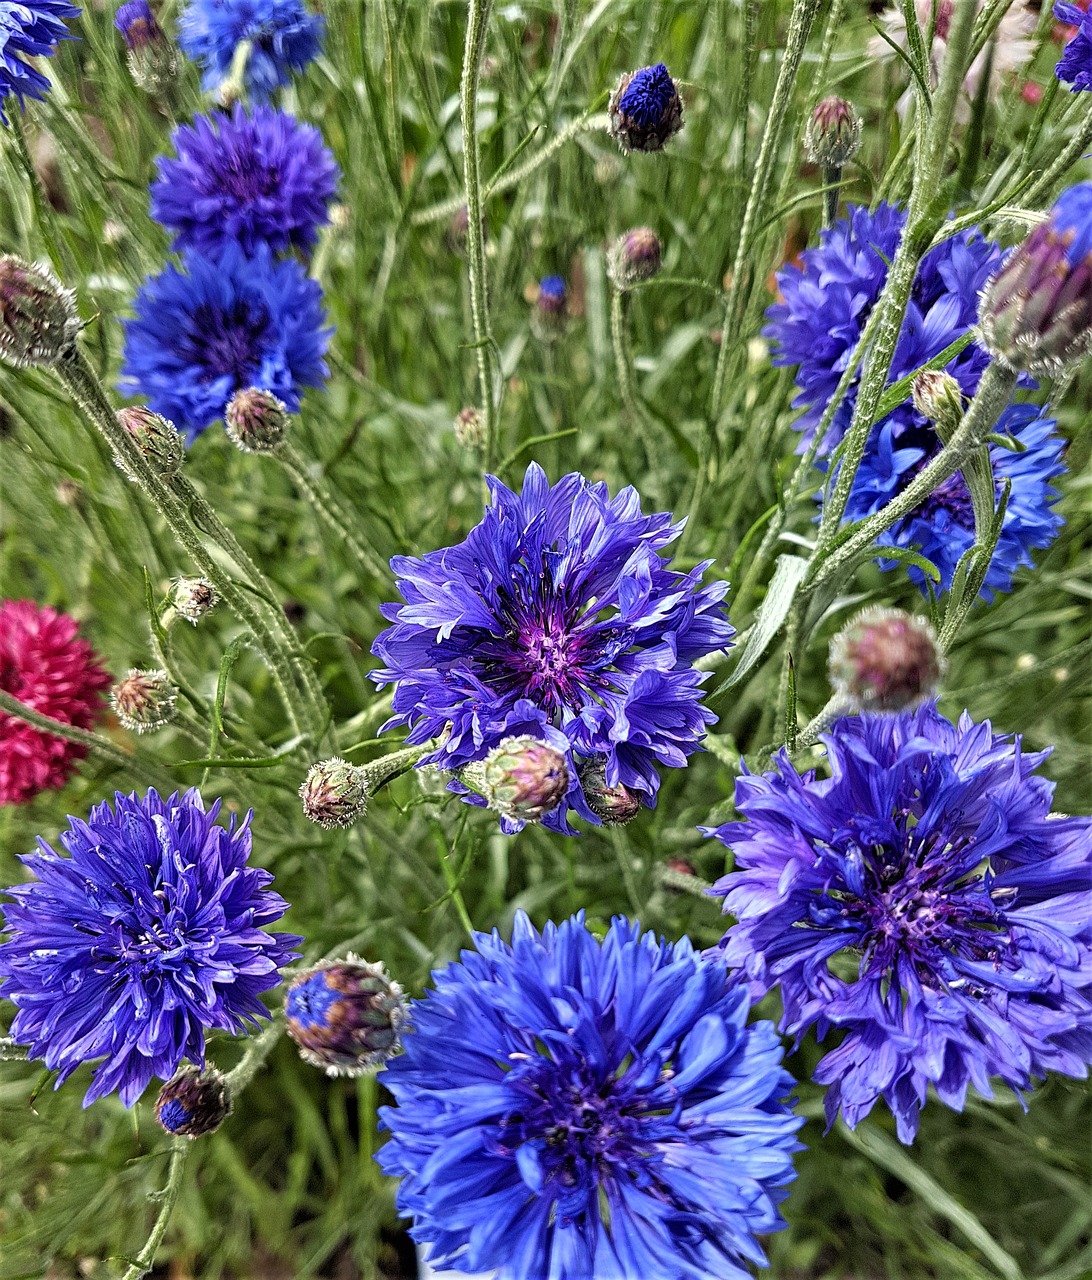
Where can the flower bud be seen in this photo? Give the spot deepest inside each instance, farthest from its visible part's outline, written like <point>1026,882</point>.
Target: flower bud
<point>256,421</point>
<point>1035,315</point>
<point>613,806</point>
<point>38,317</point>
<point>144,700</point>
<point>885,660</point>
<point>469,428</point>
<point>334,793</point>
<point>345,1015</point>
<point>832,135</point>
<point>157,439</point>
<point>524,778</point>
<point>634,257</point>
<point>645,109</point>
<point>938,397</point>
<point>548,315</point>
<point>193,1102</point>
<point>151,54</point>
<point>193,598</point>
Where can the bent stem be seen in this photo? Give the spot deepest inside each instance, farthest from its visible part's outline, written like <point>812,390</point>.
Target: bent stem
<point>329,508</point>
<point>168,1199</point>
<point>623,364</point>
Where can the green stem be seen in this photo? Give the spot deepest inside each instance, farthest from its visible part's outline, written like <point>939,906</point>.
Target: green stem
<point>454,891</point>
<point>476,23</point>
<point>1067,157</point>
<point>623,365</point>
<point>169,1198</point>
<point>256,1053</point>
<point>96,745</point>
<point>43,210</point>
<point>329,508</point>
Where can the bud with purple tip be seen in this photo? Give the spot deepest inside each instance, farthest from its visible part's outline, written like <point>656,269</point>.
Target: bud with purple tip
<point>193,598</point>
<point>1035,315</point>
<point>469,428</point>
<point>885,660</point>
<point>38,318</point>
<point>345,1016</point>
<point>256,421</point>
<point>634,257</point>
<point>144,700</point>
<point>548,315</point>
<point>151,54</point>
<point>613,806</point>
<point>938,397</point>
<point>334,793</point>
<point>833,133</point>
<point>193,1102</point>
<point>645,109</point>
<point>157,439</point>
<point>524,778</point>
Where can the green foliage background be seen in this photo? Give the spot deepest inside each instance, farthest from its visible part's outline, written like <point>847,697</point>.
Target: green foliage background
<point>288,1187</point>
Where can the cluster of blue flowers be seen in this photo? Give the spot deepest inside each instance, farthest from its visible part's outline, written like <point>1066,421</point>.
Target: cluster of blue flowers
<point>827,301</point>
<point>29,29</point>
<point>244,187</point>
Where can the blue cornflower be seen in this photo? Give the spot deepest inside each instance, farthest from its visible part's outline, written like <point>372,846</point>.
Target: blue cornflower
<point>137,24</point>
<point>645,109</point>
<point>262,178</point>
<point>828,299</point>
<point>581,1110</point>
<point>552,293</point>
<point>148,935</point>
<point>284,38</point>
<point>220,326</point>
<point>924,902</point>
<point>942,528</point>
<point>28,29</point>
<point>559,618</point>
<point>1075,66</point>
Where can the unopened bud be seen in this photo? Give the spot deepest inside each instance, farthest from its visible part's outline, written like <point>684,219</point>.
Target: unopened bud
<point>645,109</point>
<point>548,313</point>
<point>193,1102</point>
<point>634,257</point>
<point>193,598</point>
<point>524,778</point>
<point>885,660</point>
<point>256,421</point>
<point>469,428</point>
<point>69,493</point>
<point>38,318</point>
<point>151,54</point>
<point>1035,315</point>
<point>832,135</point>
<point>157,439</point>
<point>334,793</point>
<point>345,1016</point>
<point>144,700</point>
<point>938,397</point>
<point>613,806</point>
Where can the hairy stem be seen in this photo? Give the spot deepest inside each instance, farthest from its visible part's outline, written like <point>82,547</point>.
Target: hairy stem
<point>168,1199</point>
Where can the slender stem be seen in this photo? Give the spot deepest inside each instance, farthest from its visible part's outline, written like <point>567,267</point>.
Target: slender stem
<point>96,745</point>
<point>43,210</point>
<point>454,890</point>
<point>256,1053</point>
<point>1067,157</point>
<point>328,507</point>
<point>623,365</point>
<point>993,395</point>
<point>837,706</point>
<point>389,767</point>
<point>477,19</point>
<point>169,1198</point>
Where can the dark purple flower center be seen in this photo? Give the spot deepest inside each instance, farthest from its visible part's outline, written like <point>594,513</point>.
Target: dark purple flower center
<point>648,95</point>
<point>247,177</point>
<point>230,342</point>
<point>952,496</point>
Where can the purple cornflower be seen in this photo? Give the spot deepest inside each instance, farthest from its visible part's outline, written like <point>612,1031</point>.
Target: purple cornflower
<point>923,902</point>
<point>147,935</point>
<point>222,325</point>
<point>645,109</point>
<point>283,35</point>
<point>1075,65</point>
<point>570,1109</point>
<point>557,618</point>
<point>138,24</point>
<point>29,29</point>
<point>262,178</point>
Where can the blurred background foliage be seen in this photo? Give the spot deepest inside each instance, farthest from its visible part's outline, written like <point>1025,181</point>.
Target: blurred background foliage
<point>287,1187</point>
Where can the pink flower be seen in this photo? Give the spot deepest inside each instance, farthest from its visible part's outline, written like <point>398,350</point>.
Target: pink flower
<point>45,663</point>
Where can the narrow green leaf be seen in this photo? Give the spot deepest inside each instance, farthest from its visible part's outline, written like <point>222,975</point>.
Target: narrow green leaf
<point>788,574</point>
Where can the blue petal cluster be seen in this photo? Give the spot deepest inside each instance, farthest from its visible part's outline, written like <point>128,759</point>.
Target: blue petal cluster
<point>829,297</point>
<point>942,528</point>
<point>1071,221</point>
<point>649,94</point>
<point>251,179</point>
<point>137,24</point>
<point>220,325</point>
<point>29,29</point>
<point>557,617</point>
<point>147,935</point>
<point>284,38</point>
<point>581,1110</point>
<point>1075,66</point>
<point>924,903</point>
